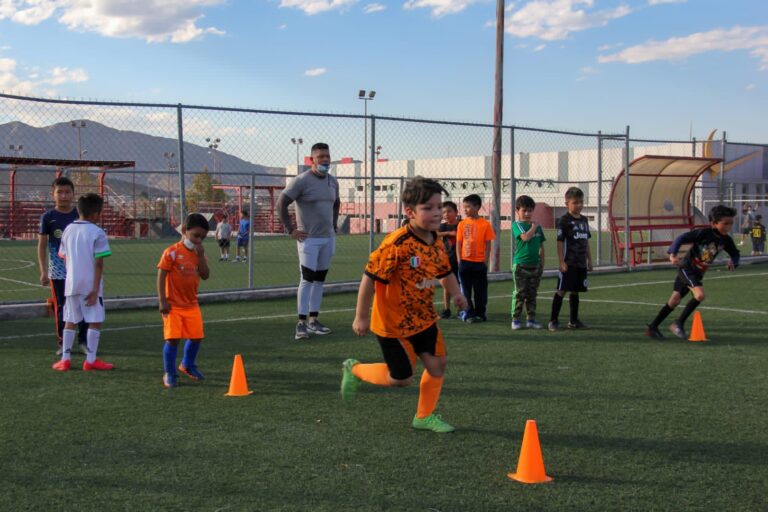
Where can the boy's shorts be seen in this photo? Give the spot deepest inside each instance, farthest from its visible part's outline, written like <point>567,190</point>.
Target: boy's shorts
<point>687,279</point>
<point>573,280</point>
<point>758,246</point>
<point>183,323</point>
<point>242,242</point>
<point>400,353</point>
<point>224,243</point>
<point>75,310</point>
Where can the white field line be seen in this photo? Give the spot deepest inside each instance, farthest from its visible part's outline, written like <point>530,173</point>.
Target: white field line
<point>348,310</point>
<point>37,285</point>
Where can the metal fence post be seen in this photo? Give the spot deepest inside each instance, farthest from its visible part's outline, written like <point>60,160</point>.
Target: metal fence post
<point>599,197</point>
<point>693,190</point>
<point>372,227</point>
<point>400,203</point>
<point>721,180</point>
<point>512,192</point>
<point>627,233</point>
<point>182,192</point>
<point>251,207</point>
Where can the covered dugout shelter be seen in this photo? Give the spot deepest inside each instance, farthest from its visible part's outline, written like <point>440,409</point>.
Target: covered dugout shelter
<point>659,206</point>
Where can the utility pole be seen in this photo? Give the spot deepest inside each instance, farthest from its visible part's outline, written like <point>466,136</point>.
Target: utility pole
<point>498,104</point>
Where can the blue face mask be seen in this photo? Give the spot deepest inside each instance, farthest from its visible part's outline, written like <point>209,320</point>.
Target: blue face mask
<point>323,169</point>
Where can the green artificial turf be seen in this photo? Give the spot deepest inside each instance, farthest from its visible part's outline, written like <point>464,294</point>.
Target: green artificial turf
<point>625,422</point>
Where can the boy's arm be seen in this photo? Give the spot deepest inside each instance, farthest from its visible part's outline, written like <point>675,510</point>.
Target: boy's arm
<point>451,285</point>
<point>561,257</point>
<point>589,259</point>
<point>161,298</point>
<point>487,252</point>
<point>685,238</point>
<point>542,257</point>
<point>202,262</point>
<point>527,235</point>
<point>98,268</point>
<point>733,252</point>
<point>363,310</point>
<point>42,244</point>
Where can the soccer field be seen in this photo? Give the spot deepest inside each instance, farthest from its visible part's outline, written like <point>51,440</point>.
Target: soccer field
<point>625,422</point>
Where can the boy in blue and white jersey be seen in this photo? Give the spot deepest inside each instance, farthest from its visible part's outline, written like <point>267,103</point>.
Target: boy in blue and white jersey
<point>243,236</point>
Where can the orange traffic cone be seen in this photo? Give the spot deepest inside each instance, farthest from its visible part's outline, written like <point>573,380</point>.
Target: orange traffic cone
<point>697,329</point>
<point>530,466</point>
<point>238,386</point>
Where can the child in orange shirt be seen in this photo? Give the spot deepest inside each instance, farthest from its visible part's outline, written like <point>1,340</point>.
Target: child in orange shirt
<point>178,276</point>
<point>403,272</point>
<point>473,248</point>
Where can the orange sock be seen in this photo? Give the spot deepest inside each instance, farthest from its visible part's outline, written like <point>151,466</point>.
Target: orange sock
<point>429,394</point>
<point>374,373</point>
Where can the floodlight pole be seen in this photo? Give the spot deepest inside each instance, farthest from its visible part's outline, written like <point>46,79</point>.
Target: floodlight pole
<point>721,180</point>
<point>497,120</point>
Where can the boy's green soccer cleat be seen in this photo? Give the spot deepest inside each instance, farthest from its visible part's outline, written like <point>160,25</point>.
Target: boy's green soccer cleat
<point>349,382</point>
<point>432,422</point>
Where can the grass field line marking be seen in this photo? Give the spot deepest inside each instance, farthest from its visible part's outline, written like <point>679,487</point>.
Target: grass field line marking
<point>28,264</point>
<point>656,304</point>
<point>647,283</point>
<point>22,282</point>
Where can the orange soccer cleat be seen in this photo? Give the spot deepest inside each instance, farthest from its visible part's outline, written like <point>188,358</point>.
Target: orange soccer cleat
<point>97,365</point>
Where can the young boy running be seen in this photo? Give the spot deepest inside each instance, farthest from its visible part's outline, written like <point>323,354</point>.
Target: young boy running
<point>575,259</point>
<point>447,233</point>
<point>180,269</point>
<point>84,246</point>
<point>758,236</point>
<point>706,244</point>
<point>473,248</point>
<point>243,236</point>
<point>403,272</point>
<point>528,263</point>
<point>52,225</point>
<point>223,232</point>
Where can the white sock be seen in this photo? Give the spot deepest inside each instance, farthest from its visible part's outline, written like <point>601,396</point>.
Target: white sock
<point>67,340</point>
<point>93,344</point>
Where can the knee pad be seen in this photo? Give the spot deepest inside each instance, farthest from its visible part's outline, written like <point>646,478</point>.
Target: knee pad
<point>320,275</point>
<point>307,274</point>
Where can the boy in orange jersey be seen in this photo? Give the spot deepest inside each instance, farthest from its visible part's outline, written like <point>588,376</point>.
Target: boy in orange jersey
<point>403,272</point>
<point>179,271</point>
<point>473,248</point>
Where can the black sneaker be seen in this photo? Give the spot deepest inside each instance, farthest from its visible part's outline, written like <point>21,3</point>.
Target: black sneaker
<point>653,332</point>
<point>445,314</point>
<point>578,324</point>
<point>678,330</point>
<point>301,331</point>
<point>553,326</point>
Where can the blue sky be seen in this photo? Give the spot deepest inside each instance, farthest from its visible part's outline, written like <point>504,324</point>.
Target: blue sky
<point>657,65</point>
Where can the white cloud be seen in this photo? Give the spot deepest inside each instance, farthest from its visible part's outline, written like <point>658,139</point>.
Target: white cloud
<point>372,8</point>
<point>34,81</point>
<point>610,46</point>
<point>315,72</point>
<point>659,2</point>
<point>539,47</point>
<point>749,87</point>
<point>552,20</point>
<point>440,7</point>
<point>585,72</point>
<point>154,21</point>
<point>282,27</point>
<point>312,7</point>
<point>754,39</point>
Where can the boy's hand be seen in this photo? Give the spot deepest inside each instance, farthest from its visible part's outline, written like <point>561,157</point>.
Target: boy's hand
<point>461,302</point>
<point>674,259</point>
<point>91,298</point>
<point>361,325</point>
<point>44,279</point>
<point>590,268</point>
<point>299,235</point>
<point>730,265</point>
<point>199,249</point>
<point>165,308</point>
<point>563,266</point>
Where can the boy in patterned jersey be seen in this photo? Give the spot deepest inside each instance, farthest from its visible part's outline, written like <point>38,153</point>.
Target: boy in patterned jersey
<point>52,225</point>
<point>403,272</point>
<point>179,271</point>
<point>575,259</point>
<point>706,244</point>
<point>758,236</point>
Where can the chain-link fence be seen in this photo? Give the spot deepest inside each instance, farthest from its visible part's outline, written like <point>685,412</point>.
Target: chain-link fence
<point>153,163</point>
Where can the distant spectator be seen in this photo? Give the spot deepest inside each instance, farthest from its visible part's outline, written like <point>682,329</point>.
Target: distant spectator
<point>223,233</point>
<point>243,237</point>
<point>758,236</point>
<point>748,217</point>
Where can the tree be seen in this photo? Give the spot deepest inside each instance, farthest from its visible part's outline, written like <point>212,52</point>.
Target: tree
<point>202,190</point>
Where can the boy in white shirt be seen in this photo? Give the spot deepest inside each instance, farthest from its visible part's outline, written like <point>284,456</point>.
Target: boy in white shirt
<point>83,247</point>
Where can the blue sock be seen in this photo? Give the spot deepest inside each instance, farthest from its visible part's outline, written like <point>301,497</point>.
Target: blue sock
<point>190,353</point>
<point>169,358</point>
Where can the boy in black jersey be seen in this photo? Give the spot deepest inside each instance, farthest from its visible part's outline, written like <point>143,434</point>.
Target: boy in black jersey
<point>706,244</point>
<point>575,259</point>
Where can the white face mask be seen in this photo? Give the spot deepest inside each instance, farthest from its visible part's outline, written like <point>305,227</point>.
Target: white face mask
<point>188,244</point>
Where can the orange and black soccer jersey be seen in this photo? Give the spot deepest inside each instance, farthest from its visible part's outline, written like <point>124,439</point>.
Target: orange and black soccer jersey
<point>182,281</point>
<point>405,270</point>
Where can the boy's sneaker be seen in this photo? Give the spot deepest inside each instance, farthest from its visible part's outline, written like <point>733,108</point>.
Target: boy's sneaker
<point>432,422</point>
<point>301,331</point>
<point>245,258</point>
<point>170,380</point>
<point>98,365</point>
<point>678,330</point>
<point>59,351</point>
<point>578,324</point>
<point>349,381</point>
<point>83,348</point>
<point>464,316</point>
<point>553,326</point>
<point>315,327</point>
<point>533,324</point>
<point>517,325</point>
<point>653,332</point>
<point>192,372</point>
<point>62,365</point>
<point>236,260</point>
<point>446,314</point>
